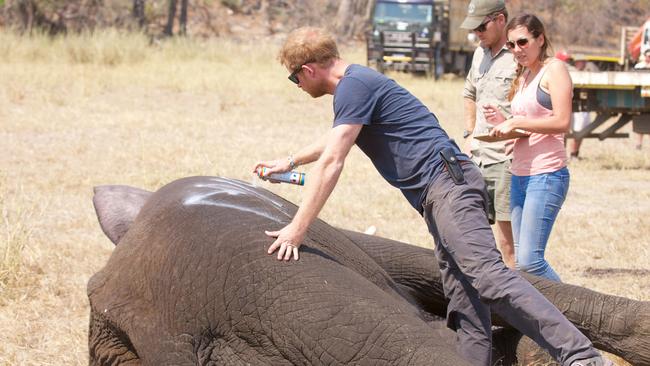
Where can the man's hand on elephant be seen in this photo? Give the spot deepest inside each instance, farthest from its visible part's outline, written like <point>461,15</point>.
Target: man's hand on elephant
<point>288,240</point>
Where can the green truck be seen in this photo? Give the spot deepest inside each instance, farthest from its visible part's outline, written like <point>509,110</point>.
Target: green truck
<point>421,36</point>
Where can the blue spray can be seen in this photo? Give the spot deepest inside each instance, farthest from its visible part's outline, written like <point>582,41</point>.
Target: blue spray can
<point>292,177</point>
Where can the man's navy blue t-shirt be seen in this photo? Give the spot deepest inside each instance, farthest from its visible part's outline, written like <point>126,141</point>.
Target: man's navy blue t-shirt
<point>400,135</point>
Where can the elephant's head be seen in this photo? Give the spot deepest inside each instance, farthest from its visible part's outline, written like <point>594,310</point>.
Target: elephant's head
<point>190,282</point>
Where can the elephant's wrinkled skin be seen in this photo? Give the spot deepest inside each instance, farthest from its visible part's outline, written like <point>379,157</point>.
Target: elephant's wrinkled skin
<point>190,283</point>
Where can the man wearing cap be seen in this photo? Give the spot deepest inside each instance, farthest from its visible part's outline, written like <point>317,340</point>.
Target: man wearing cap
<point>488,82</point>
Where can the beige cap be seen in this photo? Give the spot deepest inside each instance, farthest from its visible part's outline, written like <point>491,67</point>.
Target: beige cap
<point>479,9</point>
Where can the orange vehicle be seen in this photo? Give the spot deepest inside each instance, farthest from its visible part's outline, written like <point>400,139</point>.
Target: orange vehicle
<point>636,41</point>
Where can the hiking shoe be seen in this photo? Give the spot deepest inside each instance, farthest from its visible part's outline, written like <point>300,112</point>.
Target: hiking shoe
<point>594,361</point>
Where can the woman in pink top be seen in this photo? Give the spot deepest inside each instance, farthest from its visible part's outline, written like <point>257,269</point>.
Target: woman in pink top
<point>541,105</point>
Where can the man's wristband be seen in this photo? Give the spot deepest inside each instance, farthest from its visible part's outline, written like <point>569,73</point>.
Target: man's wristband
<point>292,163</point>
<point>466,133</point>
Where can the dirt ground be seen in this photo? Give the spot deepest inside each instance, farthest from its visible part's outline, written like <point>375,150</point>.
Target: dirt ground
<point>152,116</point>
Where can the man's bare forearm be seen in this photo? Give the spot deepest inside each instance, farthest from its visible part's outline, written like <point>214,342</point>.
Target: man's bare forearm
<point>325,174</point>
<point>310,153</point>
<point>470,123</point>
<point>323,179</point>
<point>470,114</point>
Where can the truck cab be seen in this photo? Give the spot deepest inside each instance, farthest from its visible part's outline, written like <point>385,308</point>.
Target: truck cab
<point>403,36</point>
<point>422,36</point>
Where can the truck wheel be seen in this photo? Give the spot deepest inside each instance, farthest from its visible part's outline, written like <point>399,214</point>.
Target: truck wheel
<point>427,73</point>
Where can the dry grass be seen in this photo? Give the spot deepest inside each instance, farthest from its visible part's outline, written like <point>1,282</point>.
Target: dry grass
<point>111,109</point>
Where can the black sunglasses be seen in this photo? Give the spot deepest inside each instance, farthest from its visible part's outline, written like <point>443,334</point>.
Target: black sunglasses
<point>483,26</point>
<point>294,75</point>
<point>521,42</point>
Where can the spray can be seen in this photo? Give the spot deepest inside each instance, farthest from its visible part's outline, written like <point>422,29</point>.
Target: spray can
<point>292,177</point>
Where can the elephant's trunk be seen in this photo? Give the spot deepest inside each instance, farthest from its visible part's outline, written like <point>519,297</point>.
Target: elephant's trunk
<point>614,324</point>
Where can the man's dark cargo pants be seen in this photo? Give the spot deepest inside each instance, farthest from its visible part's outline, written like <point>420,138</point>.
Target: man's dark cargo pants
<point>475,279</point>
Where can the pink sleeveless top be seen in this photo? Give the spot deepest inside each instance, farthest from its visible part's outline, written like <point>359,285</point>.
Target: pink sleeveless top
<point>539,153</point>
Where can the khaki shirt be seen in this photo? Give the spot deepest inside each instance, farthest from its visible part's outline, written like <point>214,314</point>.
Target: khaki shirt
<point>488,82</point>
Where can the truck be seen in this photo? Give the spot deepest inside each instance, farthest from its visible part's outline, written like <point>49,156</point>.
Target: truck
<point>617,91</point>
<point>621,95</point>
<point>421,36</point>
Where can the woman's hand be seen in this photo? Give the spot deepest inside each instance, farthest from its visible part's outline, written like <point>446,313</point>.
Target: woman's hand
<point>503,129</point>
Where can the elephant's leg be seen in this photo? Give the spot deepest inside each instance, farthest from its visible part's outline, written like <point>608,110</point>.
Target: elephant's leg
<point>212,350</point>
<point>614,324</point>
<point>511,348</point>
<point>109,346</point>
<point>530,353</point>
<point>414,268</point>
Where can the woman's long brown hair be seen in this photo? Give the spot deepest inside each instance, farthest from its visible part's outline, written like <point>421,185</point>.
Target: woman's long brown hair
<point>536,28</point>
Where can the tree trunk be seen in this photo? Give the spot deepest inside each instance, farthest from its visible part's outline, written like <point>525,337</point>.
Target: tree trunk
<point>352,16</point>
<point>344,16</point>
<point>367,15</point>
<point>26,9</point>
<point>169,28</point>
<point>138,12</point>
<point>183,18</point>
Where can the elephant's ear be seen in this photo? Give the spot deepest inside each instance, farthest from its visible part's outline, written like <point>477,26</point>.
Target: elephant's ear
<point>116,208</point>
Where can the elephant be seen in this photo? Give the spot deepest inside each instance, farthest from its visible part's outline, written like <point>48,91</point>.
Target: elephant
<point>190,283</point>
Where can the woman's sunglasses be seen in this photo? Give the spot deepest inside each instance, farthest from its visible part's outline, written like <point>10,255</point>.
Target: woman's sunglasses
<point>521,42</point>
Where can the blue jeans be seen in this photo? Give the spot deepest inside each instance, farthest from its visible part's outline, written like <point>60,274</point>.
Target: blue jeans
<point>535,202</point>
